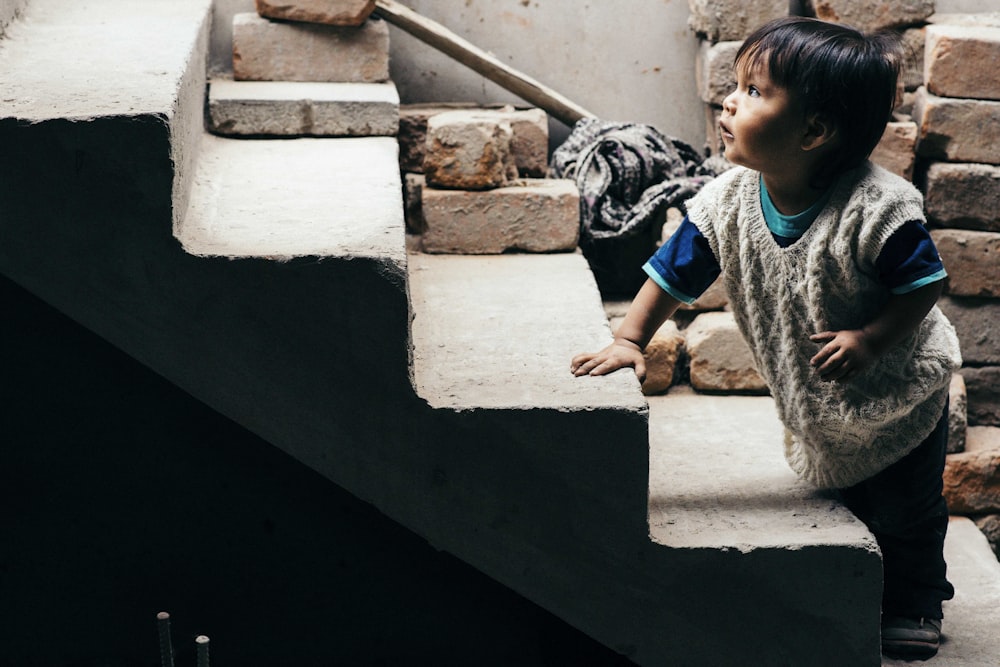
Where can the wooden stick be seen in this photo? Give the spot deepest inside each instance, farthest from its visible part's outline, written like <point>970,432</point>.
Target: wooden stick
<point>442,39</point>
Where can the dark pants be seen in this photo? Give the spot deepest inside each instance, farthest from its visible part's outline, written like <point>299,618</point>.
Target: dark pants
<point>904,508</point>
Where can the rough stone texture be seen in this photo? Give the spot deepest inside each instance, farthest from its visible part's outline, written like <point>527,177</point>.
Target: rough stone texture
<point>975,321</point>
<point>539,215</point>
<point>869,16</point>
<point>713,138</point>
<point>990,527</point>
<point>972,478</point>
<point>329,12</point>
<point>720,358</point>
<point>726,20</point>
<point>714,70</point>
<point>287,108</point>
<point>413,211</point>
<point>265,50</point>
<point>957,130</point>
<point>972,260</point>
<point>964,195</point>
<point>958,424</point>
<point>897,149</point>
<point>468,150</point>
<point>912,72</point>
<point>529,143</point>
<point>951,54</point>
<point>983,387</point>
<point>661,356</point>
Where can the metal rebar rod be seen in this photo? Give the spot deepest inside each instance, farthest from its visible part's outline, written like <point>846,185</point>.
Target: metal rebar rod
<point>201,644</point>
<point>166,646</point>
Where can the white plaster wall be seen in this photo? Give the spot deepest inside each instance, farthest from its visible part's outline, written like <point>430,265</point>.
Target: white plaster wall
<point>9,9</point>
<point>629,60</point>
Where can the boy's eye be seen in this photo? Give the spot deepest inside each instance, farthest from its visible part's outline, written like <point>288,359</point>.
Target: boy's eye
<point>752,91</point>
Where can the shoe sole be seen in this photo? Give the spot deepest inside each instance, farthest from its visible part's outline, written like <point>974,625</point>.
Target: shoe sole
<point>910,649</point>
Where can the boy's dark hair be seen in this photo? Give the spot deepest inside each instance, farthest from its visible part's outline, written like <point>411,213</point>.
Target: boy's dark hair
<point>833,69</point>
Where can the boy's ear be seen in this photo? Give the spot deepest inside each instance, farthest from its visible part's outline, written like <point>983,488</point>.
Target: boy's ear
<point>820,131</point>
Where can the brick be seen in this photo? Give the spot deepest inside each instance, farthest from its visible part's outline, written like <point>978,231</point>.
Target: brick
<point>897,150</point>
<point>976,323</point>
<point>870,16</point>
<point>529,143</point>
<point>952,55</point>
<point>957,130</point>
<point>714,70</point>
<point>329,12</point>
<point>661,356</point>
<point>912,71</point>
<point>964,195</point>
<point>972,260</point>
<point>958,414</point>
<point>989,525</point>
<point>726,20</point>
<point>265,50</point>
<point>537,215</point>
<point>983,388</point>
<point>468,150</point>
<point>972,478</point>
<point>720,358</point>
<point>290,108</point>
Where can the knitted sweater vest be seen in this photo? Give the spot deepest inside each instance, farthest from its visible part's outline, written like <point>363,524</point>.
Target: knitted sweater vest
<point>836,434</point>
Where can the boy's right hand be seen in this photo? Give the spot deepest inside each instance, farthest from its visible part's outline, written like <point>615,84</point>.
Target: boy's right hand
<point>622,353</point>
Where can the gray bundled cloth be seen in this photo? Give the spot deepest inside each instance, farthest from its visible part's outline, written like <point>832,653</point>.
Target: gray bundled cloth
<point>627,174</point>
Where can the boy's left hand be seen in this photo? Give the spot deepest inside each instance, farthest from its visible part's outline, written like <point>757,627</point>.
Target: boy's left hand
<point>844,355</point>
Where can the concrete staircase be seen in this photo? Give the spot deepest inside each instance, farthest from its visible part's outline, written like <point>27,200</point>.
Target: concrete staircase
<point>269,279</point>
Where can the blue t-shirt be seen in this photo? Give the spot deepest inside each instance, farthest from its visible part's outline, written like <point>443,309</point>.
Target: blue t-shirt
<point>685,266</point>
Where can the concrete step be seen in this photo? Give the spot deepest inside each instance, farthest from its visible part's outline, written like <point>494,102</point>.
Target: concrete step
<point>289,108</point>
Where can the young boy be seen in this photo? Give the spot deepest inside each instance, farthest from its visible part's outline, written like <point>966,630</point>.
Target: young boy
<point>833,280</point>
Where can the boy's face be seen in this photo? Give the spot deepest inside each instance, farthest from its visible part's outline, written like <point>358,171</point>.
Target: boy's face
<point>762,125</point>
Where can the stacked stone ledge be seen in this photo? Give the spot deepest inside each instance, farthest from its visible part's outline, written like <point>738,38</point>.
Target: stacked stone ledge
<point>307,68</point>
<point>475,182</point>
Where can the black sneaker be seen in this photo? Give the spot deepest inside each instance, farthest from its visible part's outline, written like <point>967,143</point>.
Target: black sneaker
<point>910,638</point>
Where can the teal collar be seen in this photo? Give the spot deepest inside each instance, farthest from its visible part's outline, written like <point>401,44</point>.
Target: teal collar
<point>789,226</point>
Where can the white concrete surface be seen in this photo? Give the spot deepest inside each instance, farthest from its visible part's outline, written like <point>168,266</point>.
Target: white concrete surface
<point>130,66</point>
<point>499,332</point>
<point>718,479</point>
<point>291,108</point>
<point>284,198</point>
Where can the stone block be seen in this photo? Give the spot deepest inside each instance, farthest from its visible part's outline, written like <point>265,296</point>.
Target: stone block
<point>661,356</point>
<point>975,321</point>
<point>290,108</point>
<point>720,358</point>
<point>989,525</point>
<point>958,414</point>
<point>957,130</point>
<point>714,70</point>
<point>413,210</point>
<point>964,195</point>
<point>972,478</point>
<point>870,16</point>
<point>329,12</point>
<point>726,20</point>
<point>468,150</point>
<point>537,215</point>
<point>953,58</point>
<point>983,388</point>
<point>912,71</point>
<point>972,260</point>
<point>896,151</point>
<point>713,137</point>
<point>529,143</point>
<point>265,50</point>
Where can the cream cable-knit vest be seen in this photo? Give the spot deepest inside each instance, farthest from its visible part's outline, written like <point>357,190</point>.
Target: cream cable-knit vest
<point>836,434</point>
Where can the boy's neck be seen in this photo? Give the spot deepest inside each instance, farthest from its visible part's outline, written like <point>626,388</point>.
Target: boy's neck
<point>792,193</point>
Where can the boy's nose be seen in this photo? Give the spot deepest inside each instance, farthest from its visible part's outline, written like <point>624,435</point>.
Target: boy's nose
<point>729,103</point>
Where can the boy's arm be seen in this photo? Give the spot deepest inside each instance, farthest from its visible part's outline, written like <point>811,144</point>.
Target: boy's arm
<point>651,307</point>
<point>849,352</point>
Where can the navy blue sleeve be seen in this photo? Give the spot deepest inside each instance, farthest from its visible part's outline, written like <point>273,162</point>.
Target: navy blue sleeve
<point>684,266</point>
<point>909,259</point>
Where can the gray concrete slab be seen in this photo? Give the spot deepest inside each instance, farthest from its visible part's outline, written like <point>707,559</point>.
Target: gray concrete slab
<point>971,632</point>
<point>131,63</point>
<point>296,197</point>
<point>499,332</point>
<point>718,479</point>
<point>291,108</point>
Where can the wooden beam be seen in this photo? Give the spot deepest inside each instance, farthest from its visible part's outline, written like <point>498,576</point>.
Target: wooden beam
<point>436,35</point>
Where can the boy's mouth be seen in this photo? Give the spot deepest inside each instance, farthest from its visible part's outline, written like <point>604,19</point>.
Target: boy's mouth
<point>726,134</point>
